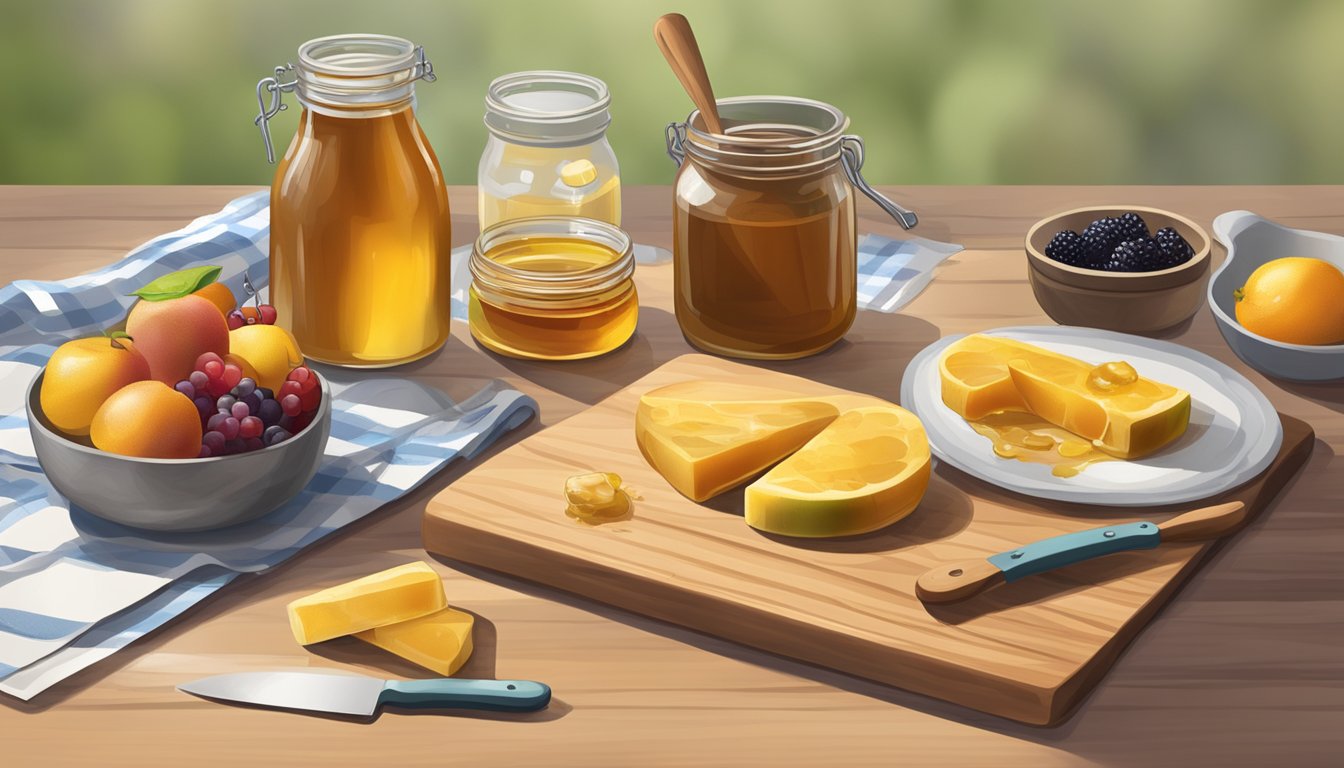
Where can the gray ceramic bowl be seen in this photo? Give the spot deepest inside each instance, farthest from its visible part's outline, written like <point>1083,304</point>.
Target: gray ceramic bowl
<point>178,494</point>
<point>1251,241</point>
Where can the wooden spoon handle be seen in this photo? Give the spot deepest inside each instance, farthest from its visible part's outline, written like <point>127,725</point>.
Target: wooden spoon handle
<point>957,581</point>
<point>673,34</point>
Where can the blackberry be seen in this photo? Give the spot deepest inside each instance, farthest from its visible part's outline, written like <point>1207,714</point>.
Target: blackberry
<point>1134,256</point>
<point>1132,227</point>
<point>1067,247</point>
<point>1102,237</point>
<point>1174,247</point>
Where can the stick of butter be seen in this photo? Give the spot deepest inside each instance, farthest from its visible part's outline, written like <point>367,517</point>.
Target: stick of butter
<point>397,594</point>
<point>440,641</point>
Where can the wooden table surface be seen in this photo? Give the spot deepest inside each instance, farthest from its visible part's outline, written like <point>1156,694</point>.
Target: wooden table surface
<point>1246,667</point>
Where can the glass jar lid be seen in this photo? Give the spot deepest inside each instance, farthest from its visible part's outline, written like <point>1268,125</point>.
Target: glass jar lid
<point>551,277</point>
<point>359,71</point>
<point>549,108</point>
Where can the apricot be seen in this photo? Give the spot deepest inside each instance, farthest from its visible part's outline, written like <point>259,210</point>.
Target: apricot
<point>82,374</point>
<point>172,333</point>
<point>149,420</point>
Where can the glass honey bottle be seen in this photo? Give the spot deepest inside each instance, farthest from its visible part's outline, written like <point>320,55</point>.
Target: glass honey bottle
<point>359,246</point>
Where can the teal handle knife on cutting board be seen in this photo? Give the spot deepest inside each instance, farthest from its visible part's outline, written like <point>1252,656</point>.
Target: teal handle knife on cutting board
<point>958,581</point>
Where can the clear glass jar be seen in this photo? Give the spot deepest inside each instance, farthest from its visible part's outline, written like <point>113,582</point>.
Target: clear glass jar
<point>552,288</point>
<point>764,242</point>
<point>360,232</point>
<point>547,152</point>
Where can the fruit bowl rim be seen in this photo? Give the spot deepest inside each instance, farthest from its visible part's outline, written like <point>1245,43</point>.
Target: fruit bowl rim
<point>34,407</point>
<point>1201,258</point>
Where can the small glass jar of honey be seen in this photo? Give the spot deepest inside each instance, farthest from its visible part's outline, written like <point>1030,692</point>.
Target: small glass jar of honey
<point>552,288</point>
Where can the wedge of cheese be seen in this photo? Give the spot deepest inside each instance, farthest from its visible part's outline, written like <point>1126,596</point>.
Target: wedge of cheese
<point>1122,413</point>
<point>391,596</point>
<point>706,437</point>
<point>440,641</point>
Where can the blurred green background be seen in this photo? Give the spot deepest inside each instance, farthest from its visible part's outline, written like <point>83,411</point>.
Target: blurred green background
<point>944,91</point>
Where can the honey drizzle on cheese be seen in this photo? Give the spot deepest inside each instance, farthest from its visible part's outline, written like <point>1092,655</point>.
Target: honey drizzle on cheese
<point>1028,438</point>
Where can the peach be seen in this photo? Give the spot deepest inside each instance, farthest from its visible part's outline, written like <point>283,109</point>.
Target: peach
<point>83,373</point>
<point>172,333</point>
<point>150,420</point>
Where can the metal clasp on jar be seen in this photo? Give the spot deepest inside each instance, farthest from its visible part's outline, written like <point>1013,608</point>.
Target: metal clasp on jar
<point>851,160</point>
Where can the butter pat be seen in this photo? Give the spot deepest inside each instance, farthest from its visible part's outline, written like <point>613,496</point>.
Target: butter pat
<point>578,173</point>
<point>440,641</point>
<point>391,596</point>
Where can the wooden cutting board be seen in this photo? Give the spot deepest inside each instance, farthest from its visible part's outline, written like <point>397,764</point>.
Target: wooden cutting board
<point>1028,651</point>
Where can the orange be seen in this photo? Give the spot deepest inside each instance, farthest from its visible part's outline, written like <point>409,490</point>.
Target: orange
<point>150,420</point>
<point>1295,300</point>
<point>82,374</point>
<point>219,295</point>
<point>172,333</point>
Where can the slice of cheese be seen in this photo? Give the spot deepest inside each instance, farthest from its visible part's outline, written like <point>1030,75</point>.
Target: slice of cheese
<point>440,641</point>
<point>1122,413</point>
<point>397,594</point>
<point>706,437</point>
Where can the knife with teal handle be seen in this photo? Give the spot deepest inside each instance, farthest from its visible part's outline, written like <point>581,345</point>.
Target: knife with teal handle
<point>957,581</point>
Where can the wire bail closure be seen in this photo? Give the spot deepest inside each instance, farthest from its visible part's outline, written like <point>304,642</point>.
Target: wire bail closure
<point>271,90</point>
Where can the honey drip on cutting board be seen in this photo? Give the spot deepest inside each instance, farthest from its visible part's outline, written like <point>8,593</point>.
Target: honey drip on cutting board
<point>598,497</point>
<point>1026,437</point>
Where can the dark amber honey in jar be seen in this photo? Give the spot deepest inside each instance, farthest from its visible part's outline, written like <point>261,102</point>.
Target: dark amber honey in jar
<point>765,250</point>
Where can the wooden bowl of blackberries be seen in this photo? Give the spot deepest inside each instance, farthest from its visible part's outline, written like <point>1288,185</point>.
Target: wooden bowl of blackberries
<point>1123,268</point>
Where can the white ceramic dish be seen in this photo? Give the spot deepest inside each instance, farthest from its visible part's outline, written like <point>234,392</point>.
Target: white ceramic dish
<point>1251,241</point>
<point>1233,436</point>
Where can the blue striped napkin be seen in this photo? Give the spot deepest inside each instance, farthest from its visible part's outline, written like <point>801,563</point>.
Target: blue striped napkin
<point>74,589</point>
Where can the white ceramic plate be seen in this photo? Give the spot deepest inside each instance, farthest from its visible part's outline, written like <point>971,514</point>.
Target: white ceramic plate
<point>1233,436</point>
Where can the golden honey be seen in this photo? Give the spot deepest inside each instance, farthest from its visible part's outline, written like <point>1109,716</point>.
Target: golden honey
<point>597,497</point>
<point>359,239</point>
<point>552,288</point>
<point>1028,438</point>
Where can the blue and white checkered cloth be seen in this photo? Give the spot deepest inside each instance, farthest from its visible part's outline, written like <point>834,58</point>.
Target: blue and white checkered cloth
<point>74,589</point>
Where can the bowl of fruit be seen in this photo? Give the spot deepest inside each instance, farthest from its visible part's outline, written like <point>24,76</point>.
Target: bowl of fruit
<point>1123,268</point>
<point>1278,297</point>
<point>187,420</point>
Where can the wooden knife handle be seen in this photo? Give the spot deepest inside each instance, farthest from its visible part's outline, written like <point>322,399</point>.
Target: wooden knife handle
<point>957,581</point>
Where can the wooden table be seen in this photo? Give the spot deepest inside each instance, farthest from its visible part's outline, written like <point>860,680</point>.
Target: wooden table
<point>1246,667</point>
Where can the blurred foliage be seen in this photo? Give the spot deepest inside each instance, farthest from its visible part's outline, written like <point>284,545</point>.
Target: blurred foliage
<point>944,91</point>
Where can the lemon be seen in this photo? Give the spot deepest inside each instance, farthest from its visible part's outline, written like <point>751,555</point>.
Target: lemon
<point>867,469</point>
<point>269,349</point>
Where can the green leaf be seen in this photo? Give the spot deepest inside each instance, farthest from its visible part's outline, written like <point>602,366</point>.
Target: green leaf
<point>177,284</point>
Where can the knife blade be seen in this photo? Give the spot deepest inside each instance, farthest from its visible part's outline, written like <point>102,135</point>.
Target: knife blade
<point>952,582</point>
<point>347,694</point>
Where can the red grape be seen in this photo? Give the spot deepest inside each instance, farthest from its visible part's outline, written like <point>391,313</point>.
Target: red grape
<point>300,374</point>
<point>186,388</point>
<point>289,388</point>
<point>310,399</point>
<point>229,427</point>
<point>250,426</point>
<point>253,444</point>
<point>232,375</point>
<point>214,441</point>
<point>291,405</point>
<point>207,357</point>
<point>240,411</point>
<point>212,368</point>
<point>215,423</point>
<point>198,379</point>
